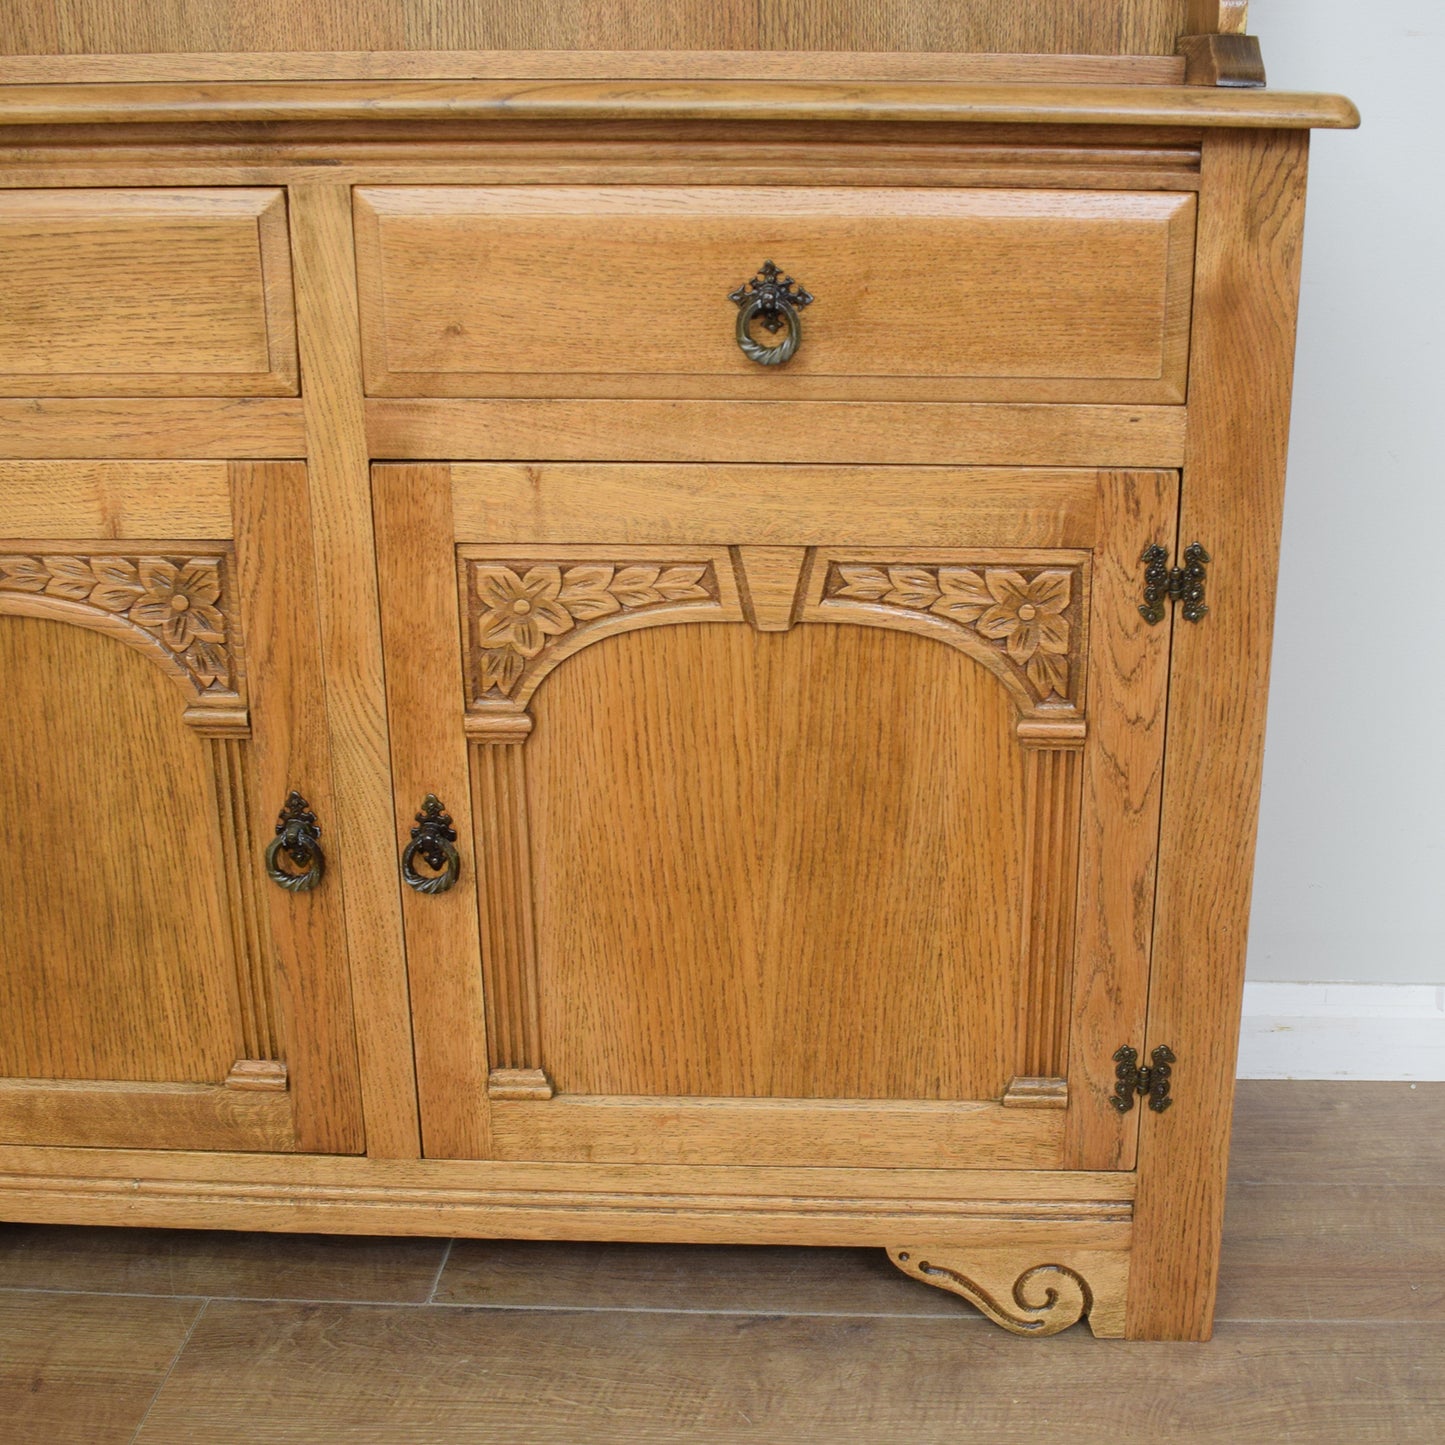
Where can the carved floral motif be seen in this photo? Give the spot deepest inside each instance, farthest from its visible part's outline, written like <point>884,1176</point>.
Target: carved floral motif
<point>1025,614</point>
<point>518,609</point>
<point>176,601</point>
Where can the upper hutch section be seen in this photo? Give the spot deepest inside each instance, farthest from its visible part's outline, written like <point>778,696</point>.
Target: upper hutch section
<point>1042,27</point>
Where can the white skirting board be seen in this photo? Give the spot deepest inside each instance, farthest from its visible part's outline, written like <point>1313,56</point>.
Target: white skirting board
<point>1343,1031</point>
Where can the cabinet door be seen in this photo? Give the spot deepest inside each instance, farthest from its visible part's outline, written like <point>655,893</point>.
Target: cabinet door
<point>161,701</point>
<point>835,848</point>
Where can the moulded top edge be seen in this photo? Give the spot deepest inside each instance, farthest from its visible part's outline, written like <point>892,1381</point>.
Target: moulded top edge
<point>919,102</point>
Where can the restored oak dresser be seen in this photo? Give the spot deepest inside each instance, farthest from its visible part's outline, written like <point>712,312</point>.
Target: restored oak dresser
<point>654,629</point>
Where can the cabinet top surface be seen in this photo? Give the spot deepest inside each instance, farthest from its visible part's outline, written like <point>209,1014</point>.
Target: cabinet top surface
<point>31,96</point>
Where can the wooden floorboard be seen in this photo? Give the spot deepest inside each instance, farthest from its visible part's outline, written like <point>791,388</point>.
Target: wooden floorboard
<point>83,1369</point>
<point>1331,1326</point>
<point>1305,1132</point>
<point>774,1280</point>
<point>1334,1252</point>
<point>272,1373</point>
<point>219,1264</point>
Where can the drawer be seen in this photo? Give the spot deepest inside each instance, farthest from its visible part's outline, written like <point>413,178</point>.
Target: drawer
<point>146,293</point>
<point>918,294</point>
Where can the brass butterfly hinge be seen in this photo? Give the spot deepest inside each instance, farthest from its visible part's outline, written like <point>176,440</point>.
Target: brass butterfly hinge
<point>1152,1079</point>
<point>1183,584</point>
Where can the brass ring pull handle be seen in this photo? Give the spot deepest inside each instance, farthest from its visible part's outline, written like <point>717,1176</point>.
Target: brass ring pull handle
<point>433,840</point>
<point>774,304</point>
<point>298,837</point>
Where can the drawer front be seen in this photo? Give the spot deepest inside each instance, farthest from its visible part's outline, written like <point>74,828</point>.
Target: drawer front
<point>917,294</point>
<point>146,292</point>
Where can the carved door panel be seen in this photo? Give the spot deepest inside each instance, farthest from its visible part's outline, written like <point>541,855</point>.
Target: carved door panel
<point>161,700</point>
<point>835,848</point>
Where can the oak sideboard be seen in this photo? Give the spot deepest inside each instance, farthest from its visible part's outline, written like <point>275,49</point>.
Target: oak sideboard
<point>657,644</point>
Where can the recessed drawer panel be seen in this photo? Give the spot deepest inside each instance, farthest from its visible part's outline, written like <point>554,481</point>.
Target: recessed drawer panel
<point>916,294</point>
<point>146,293</point>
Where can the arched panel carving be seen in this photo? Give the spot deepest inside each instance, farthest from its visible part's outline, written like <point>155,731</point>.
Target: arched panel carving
<point>1019,615</point>
<point>173,607</point>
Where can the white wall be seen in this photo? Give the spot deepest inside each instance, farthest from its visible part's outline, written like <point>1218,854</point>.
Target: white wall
<point>1350,880</point>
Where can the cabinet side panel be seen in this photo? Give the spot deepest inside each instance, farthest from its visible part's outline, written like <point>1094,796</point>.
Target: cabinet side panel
<point>1251,216</point>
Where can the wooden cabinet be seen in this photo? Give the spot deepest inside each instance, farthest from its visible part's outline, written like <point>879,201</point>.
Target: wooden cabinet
<point>763,585</point>
<point>726,785</point>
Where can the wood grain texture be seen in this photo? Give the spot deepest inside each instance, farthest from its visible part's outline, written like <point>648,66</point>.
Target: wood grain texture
<point>1026,1294</point>
<point>1247,284</point>
<point>592,64</point>
<point>837,1132</point>
<point>656,771</point>
<point>146,292</point>
<point>724,1279</point>
<point>687,504</point>
<point>509,946</point>
<point>665,102</point>
<point>1123,766</point>
<point>1233,60</point>
<point>81,1367</point>
<point>124,1115</point>
<point>990,295</point>
<point>70,500</point>
<point>1146,27</point>
<point>1046,942</point>
<point>420,628</point>
<point>859,432</point>
<point>306,931</point>
<point>72,427</point>
<point>237,1265</point>
<point>340,488</point>
<point>277,1370</point>
<point>1322,1132</point>
<point>1365,1252</point>
<point>123,969</point>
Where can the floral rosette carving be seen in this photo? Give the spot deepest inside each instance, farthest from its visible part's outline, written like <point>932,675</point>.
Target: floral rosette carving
<point>176,602</point>
<point>1025,617</point>
<point>519,610</point>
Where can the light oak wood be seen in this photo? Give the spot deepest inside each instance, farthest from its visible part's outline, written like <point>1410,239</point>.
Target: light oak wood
<point>681,504</point>
<point>592,64</point>
<point>1005,295</point>
<point>776,921</point>
<point>146,292</point>
<point>420,623</point>
<point>113,1114</point>
<point>312,986</point>
<point>339,482</point>
<point>1233,490</point>
<point>833,1131</point>
<point>1054,25</point>
<point>122,970</point>
<point>663,102</point>
<point>892,433</point>
<point>1025,1294</point>
<point>1119,819</point>
<point>67,427</point>
<point>59,500</point>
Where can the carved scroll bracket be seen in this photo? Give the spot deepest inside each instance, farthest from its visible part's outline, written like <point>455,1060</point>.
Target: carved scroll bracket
<point>1031,1293</point>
